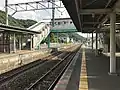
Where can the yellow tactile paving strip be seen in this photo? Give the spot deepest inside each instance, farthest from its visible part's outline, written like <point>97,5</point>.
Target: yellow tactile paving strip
<point>83,74</point>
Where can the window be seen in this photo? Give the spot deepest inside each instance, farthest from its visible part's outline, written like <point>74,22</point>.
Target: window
<point>64,22</point>
<point>58,23</point>
<point>70,22</point>
<point>55,23</point>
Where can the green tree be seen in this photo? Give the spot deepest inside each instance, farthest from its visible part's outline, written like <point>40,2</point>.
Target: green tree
<point>16,22</point>
<point>52,38</point>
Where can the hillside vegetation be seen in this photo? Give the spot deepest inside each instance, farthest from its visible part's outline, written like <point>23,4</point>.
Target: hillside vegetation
<point>74,35</point>
<point>16,22</point>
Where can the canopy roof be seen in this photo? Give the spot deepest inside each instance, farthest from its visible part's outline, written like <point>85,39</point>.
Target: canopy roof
<point>16,29</point>
<point>89,15</point>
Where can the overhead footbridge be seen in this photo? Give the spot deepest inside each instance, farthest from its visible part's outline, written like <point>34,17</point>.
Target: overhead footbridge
<point>63,25</point>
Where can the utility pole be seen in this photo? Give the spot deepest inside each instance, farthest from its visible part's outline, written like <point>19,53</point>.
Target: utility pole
<point>53,12</point>
<point>53,19</point>
<point>6,10</point>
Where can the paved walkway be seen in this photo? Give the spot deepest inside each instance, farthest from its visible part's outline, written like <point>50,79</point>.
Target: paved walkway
<point>97,72</point>
<point>93,73</point>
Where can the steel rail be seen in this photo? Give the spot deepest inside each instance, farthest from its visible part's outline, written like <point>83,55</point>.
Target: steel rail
<point>61,73</point>
<point>32,86</point>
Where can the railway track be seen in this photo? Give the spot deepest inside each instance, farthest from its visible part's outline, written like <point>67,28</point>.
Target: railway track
<point>10,74</point>
<point>5,77</point>
<point>26,76</point>
<point>48,81</point>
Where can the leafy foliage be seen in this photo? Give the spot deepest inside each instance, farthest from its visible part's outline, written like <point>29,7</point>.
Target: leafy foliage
<point>52,38</point>
<point>16,22</point>
<point>74,35</point>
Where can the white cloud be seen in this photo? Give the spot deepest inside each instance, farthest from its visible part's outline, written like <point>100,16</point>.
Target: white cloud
<point>2,5</point>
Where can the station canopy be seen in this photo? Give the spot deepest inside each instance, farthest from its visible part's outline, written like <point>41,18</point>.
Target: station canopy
<point>91,15</point>
<point>5,28</point>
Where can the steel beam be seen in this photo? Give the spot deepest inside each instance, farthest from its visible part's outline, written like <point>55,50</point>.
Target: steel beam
<point>36,5</point>
<point>79,18</point>
<point>107,16</point>
<point>95,11</point>
<point>91,28</point>
<point>63,30</point>
<point>91,22</point>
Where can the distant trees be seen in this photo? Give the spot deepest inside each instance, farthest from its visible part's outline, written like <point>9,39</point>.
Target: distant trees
<point>16,22</point>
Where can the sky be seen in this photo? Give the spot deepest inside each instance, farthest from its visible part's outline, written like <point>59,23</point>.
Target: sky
<point>36,15</point>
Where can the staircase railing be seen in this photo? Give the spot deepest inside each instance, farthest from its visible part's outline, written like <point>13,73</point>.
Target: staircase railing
<point>44,30</point>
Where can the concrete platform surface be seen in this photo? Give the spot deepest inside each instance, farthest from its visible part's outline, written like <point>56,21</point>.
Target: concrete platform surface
<point>97,72</point>
<point>91,73</point>
<point>20,58</point>
<point>64,81</point>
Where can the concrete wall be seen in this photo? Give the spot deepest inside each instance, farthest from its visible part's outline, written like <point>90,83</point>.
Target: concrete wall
<point>10,62</point>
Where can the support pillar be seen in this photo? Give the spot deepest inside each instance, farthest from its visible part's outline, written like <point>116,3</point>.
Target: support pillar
<point>22,36</point>
<point>9,43</point>
<point>3,42</point>
<point>49,41</point>
<point>92,40</point>
<point>20,41</point>
<point>96,51</point>
<point>57,38</point>
<point>14,43</point>
<point>112,43</point>
<point>31,42</point>
<point>39,46</point>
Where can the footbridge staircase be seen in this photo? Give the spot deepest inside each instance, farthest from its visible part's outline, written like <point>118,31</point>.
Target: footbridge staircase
<point>44,29</point>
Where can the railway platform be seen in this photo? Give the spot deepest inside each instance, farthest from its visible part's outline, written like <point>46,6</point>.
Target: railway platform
<point>90,73</point>
<point>9,61</point>
<point>20,58</point>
